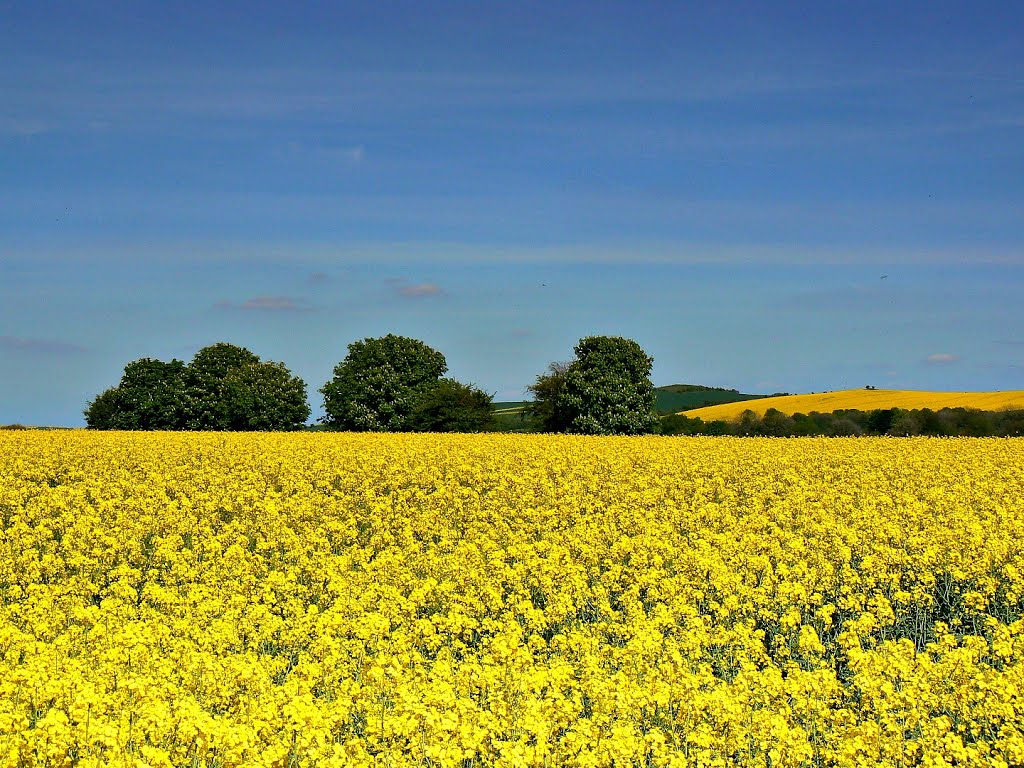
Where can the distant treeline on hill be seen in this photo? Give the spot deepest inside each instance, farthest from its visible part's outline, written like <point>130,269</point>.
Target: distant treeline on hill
<point>685,397</point>
<point>945,422</point>
<point>385,384</point>
<point>398,384</point>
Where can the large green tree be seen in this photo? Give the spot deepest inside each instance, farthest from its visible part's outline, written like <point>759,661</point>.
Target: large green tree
<point>380,383</point>
<point>208,403</point>
<point>150,395</point>
<point>153,392</point>
<point>607,389</point>
<point>225,387</point>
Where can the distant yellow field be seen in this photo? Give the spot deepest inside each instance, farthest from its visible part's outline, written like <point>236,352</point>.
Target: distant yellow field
<point>864,400</point>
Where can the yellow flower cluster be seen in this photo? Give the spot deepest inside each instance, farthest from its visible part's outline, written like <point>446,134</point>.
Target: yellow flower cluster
<point>509,600</point>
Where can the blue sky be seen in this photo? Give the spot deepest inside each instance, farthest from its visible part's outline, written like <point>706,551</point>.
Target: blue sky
<point>768,196</point>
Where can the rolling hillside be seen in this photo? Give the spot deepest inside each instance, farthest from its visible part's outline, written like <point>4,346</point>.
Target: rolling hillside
<point>683,397</point>
<point>669,399</point>
<point>864,400</point>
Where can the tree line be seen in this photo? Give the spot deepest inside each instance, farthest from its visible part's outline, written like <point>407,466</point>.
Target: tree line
<point>224,387</point>
<point>398,384</point>
<point>901,422</point>
<point>386,384</point>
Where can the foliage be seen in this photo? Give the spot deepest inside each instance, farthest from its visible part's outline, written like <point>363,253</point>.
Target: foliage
<point>607,388</point>
<point>947,422</point>
<point>264,396</point>
<point>496,600</point>
<point>150,395</point>
<point>544,410</point>
<point>681,424</point>
<point>208,401</point>
<point>379,384</point>
<point>684,388</point>
<point>104,410</point>
<point>537,415</point>
<point>224,387</point>
<point>452,406</point>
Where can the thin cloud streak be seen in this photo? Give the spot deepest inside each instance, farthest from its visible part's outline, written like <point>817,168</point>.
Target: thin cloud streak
<point>429,252</point>
<point>419,290</point>
<point>267,304</point>
<point>39,346</point>
<point>16,126</point>
<point>256,91</point>
<point>319,153</point>
<point>77,95</point>
<point>670,219</point>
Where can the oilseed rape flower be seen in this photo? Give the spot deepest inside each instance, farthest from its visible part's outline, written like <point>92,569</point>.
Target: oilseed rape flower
<point>287,600</point>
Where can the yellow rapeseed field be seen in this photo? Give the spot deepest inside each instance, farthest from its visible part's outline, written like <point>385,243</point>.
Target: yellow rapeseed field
<point>863,400</point>
<point>509,600</point>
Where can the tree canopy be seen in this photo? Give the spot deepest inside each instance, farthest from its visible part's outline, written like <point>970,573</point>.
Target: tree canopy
<point>607,389</point>
<point>452,406</point>
<point>151,395</point>
<point>264,396</point>
<point>208,400</point>
<point>380,384</point>
<point>544,410</point>
<point>225,387</point>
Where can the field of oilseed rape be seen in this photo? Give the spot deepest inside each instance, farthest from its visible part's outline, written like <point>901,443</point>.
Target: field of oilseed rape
<point>509,600</point>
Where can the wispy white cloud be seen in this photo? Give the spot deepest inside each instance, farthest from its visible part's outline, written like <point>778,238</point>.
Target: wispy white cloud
<point>312,252</point>
<point>274,91</point>
<point>18,126</point>
<point>39,346</point>
<point>418,290</point>
<point>82,93</point>
<point>267,304</point>
<point>672,227</point>
<point>354,155</point>
<point>941,358</point>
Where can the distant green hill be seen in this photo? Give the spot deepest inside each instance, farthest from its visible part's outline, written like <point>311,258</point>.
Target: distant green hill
<point>683,397</point>
<point>669,399</point>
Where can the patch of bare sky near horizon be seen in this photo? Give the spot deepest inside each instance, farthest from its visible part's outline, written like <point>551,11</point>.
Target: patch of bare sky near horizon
<point>895,295</point>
